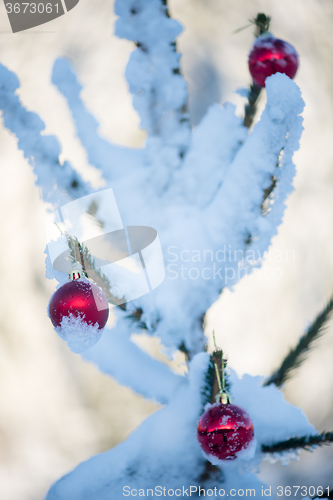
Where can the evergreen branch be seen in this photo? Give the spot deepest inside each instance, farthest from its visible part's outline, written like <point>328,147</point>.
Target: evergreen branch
<point>162,115</point>
<point>297,443</point>
<point>325,495</point>
<point>269,191</point>
<point>207,390</point>
<point>210,388</point>
<point>261,22</point>
<point>80,254</point>
<point>251,106</point>
<point>210,472</point>
<point>297,355</point>
<point>59,182</point>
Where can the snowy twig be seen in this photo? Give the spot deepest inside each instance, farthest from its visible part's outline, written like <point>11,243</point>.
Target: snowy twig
<point>240,198</point>
<point>251,106</point>
<point>303,442</point>
<point>119,357</point>
<point>261,23</point>
<point>80,254</point>
<point>297,355</point>
<point>113,161</point>
<point>159,91</point>
<point>59,183</point>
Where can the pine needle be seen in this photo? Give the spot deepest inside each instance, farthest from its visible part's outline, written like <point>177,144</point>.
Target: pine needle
<point>80,255</point>
<point>300,443</point>
<point>251,106</point>
<point>298,354</point>
<point>210,388</point>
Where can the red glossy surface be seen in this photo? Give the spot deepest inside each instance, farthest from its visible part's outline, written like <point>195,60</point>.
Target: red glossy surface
<point>224,430</point>
<point>269,56</point>
<point>77,298</point>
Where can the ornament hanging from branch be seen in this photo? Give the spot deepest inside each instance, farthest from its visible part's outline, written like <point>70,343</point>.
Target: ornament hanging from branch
<point>79,311</point>
<point>225,431</point>
<point>268,56</point>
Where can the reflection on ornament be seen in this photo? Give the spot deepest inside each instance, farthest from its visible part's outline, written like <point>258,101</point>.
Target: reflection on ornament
<point>269,56</point>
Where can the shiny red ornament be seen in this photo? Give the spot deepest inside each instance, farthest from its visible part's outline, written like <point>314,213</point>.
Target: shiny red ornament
<point>224,430</point>
<point>79,299</point>
<point>269,56</point>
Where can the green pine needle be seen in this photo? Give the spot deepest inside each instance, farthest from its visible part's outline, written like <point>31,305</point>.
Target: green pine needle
<point>80,255</point>
<point>297,355</point>
<point>300,443</point>
<point>207,391</point>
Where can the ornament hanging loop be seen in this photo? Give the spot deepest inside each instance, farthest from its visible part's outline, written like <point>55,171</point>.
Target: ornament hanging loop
<point>222,396</point>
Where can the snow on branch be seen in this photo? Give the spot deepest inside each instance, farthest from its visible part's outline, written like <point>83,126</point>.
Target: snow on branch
<point>116,355</point>
<point>297,355</point>
<point>239,217</point>
<point>101,153</point>
<point>59,183</point>
<point>215,142</point>
<point>153,72</point>
<point>164,450</point>
<point>221,233</point>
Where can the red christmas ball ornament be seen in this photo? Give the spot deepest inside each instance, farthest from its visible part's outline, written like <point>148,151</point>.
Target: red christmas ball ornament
<point>269,56</point>
<point>224,430</point>
<point>79,299</point>
<point>79,311</point>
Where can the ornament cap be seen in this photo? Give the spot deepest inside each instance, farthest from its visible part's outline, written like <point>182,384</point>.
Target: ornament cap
<point>75,275</point>
<point>223,398</point>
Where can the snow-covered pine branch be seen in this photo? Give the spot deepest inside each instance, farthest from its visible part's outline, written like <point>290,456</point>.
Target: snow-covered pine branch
<point>116,355</point>
<point>159,91</point>
<point>201,211</point>
<point>223,232</point>
<point>101,154</point>
<point>228,198</point>
<point>164,452</point>
<point>213,204</point>
<point>237,215</point>
<point>59,183</point>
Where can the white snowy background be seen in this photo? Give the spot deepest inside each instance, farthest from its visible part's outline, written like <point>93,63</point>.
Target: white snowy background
<point>55,409</point>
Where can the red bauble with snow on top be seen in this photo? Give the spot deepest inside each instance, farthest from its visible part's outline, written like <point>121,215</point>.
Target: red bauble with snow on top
<point>79,311</point>
<point>225,431</point>
<point>269,56</point>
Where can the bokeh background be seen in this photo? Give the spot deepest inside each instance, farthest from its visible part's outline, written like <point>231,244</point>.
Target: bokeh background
<point>57,410</point>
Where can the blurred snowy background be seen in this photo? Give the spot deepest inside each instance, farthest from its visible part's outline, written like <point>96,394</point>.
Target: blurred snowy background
<point>57,410</point>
